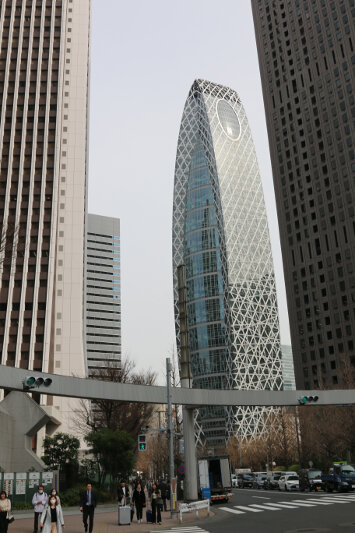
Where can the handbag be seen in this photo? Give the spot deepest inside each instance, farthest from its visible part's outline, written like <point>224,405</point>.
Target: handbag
<point>159,501</point>
<point>10,518</point>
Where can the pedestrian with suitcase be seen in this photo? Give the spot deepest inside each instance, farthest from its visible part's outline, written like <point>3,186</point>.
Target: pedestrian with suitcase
<point>138,500</point>
<point>123,494</point>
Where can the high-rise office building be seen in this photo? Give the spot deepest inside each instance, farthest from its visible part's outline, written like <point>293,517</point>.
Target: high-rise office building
<point>44,71</point>
<point>288,372</point>
<point>307,58</point>
<point>220,233</point>
<point>103,294</point>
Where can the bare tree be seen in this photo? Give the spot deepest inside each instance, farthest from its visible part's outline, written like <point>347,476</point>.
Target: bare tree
<point>110,414</point>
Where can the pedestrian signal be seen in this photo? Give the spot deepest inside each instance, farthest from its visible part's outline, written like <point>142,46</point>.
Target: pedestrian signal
<point>142,443</point>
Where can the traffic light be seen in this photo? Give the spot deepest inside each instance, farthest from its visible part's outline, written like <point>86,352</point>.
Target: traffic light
<point>30,382</point>
<point>307,399</point>
<point>142,443</point>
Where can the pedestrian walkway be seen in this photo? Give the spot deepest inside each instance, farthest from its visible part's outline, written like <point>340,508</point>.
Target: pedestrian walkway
<point>106,521</point>
<point>290,504</point>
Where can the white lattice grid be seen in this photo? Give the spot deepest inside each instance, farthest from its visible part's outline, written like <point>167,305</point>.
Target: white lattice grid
<point>251,315</point>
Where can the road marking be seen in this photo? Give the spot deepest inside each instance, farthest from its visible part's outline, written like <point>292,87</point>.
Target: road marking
<point>319,502</point>
<point>283,505</point>
<point>261,497</point>
<point>247,509</point>
<point>186,529</point>
<point>347,496</point>
<point>229,510</point>
<point>300,503</point>
<point>337,500</point>
<point>269,508</point>
<point>291,504</point>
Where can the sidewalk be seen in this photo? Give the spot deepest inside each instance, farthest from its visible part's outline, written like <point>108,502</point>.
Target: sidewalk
<point>106,521</point>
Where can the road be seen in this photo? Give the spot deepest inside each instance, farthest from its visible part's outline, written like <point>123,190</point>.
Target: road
<point>254,511</point>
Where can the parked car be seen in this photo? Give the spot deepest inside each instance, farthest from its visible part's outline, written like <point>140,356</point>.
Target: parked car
<point>289,482</point>
<point>245,481</point>
<point>258,482</point>
<point>272,481</point>
<point>311,479</point>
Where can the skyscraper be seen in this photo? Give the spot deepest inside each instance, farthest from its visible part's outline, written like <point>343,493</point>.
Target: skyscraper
<point>103,293</point>
<point>44,70</point>
<point>220,233</point>
<point>307,58</point>
<point>288,372</point>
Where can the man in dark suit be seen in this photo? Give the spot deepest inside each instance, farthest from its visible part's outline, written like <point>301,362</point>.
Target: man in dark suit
<point>123,494</point>
<point>88,503</point>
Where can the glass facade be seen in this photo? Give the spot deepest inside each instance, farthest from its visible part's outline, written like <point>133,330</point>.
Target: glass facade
<point>220,233</point>
<point>204,278</point>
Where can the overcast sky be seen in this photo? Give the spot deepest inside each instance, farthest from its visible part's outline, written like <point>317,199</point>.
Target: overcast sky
<point>144,58</point>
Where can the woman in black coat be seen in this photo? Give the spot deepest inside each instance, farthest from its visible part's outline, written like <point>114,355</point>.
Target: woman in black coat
<point>138,499</point>
<point>157,503</point>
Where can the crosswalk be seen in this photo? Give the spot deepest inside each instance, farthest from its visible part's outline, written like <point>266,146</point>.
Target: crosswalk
<point>182,529</point>
<point>290,504</point>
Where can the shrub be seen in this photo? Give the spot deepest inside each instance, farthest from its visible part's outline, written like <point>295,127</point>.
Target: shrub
<point>71,497</point>
<point>19,506</point>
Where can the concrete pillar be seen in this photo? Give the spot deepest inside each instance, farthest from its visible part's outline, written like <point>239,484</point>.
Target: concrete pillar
<point>190,484</point>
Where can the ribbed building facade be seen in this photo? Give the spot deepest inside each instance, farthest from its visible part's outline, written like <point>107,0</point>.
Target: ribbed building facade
<point>44,58</point>
<point>103,294</point>
<point>307,61</point>
<point>220,233</point>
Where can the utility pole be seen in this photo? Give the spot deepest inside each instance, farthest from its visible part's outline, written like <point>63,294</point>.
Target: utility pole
<point>190,486</point>
<point>297,437</point>
<point>170,432</point>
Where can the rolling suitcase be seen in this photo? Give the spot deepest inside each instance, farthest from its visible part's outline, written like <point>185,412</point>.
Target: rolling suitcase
<point>148,515</point>
<point>124,515</point>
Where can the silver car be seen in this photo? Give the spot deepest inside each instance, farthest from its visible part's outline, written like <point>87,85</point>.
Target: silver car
<point>289,482</point>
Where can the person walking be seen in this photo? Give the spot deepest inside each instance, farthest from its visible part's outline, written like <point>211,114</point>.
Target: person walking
<point>88,502</point>
<point>138,500</point>
<point>5,508</point>
<point>164,492</point>
<point>150,488</point>
<point>52,520</point>
<point>157,503</point>
<point>123,494</point>
<point>54,493</point>
<point>39,501</point>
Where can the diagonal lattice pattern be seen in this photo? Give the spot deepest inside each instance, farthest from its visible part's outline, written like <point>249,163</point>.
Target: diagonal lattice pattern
<point>220,232</point>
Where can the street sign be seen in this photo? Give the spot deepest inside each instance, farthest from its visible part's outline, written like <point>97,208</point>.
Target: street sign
<point>181,469</point>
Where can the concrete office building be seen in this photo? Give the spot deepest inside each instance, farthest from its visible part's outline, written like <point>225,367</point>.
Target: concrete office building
<point>220,232</point>
<point>44,67</point>
<point>307,59</point>
<point>103,293</point>
<point>288,371</point>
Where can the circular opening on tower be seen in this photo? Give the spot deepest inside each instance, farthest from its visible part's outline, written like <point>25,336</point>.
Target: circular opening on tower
<point>228,120</point>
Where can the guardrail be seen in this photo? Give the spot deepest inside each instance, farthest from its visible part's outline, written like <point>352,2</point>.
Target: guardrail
<point>194,506</point>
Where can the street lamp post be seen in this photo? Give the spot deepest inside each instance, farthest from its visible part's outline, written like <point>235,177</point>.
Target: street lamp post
<point>170,432</point>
